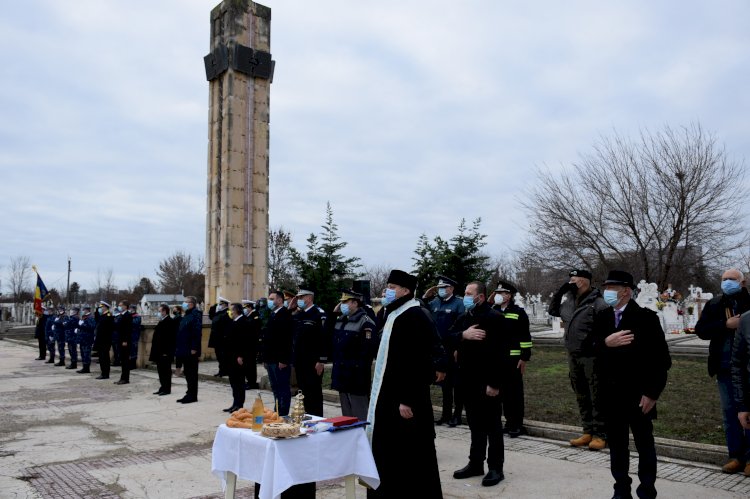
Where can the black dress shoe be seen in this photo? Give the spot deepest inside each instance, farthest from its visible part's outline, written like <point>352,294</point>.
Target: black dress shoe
<point>58,364</point>
<point>493,477</point>
<point>230,409</point>
<point>468,471</point>
<point>454,422</point>
<point>164,393</point>
<point>121,382</point>
<point>40,358</point>
<point>50,361</point>
<point>189,400</point>
<point>440,421</point>
<point>157,392</point>
<point>102,377</point>
<point>179,401</point>
<point>514,432</point>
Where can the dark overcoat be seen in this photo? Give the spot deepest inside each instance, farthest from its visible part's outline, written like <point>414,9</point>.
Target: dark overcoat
<point>631,371</point>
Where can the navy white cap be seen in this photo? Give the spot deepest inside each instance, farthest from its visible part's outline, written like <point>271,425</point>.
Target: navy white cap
<point>444,282</point>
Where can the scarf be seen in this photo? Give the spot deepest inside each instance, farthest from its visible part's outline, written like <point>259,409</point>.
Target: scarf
<point>382,361</point>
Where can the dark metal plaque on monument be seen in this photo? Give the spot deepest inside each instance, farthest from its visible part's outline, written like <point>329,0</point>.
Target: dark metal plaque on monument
<point>216,62</point>
<point>255,63</point>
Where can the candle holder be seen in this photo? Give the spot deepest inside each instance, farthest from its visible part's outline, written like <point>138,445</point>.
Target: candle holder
<point>298,409</point>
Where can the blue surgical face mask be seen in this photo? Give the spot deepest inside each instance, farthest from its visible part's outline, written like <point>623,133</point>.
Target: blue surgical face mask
<point>100,310</point>
<point>390,296</point>
<point>730,286</point>
<point>345,308</point>
<point>120,309</point>
<point>184,305</point>
<point>286,303</point>
<point>442,292</point>
<point>610,297</point>
<point>469,302</point>
<point>269,303</point>
<point>246,311</point>
<point>301,304</point>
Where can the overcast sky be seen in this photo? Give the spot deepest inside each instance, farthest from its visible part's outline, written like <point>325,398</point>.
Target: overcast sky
<point>406,115</point>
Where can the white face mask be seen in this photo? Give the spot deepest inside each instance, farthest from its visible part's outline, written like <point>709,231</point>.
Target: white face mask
<point>499,299</point>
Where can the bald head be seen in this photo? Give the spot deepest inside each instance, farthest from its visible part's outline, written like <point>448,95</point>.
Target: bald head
<point>733,274</point>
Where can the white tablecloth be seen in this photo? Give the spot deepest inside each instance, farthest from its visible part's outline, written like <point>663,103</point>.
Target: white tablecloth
<point>279,464</point>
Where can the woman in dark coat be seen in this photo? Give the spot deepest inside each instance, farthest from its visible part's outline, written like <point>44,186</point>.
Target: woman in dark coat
<point>162,349</point>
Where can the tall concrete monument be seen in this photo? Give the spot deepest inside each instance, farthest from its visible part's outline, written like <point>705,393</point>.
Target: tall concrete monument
<point>239,70</point>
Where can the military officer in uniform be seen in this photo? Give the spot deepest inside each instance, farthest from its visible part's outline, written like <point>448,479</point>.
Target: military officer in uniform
<point>124,329</point>
<point>445,309</point>
<point>135,337</point>
<point>49,333</point>
<point>105,326</point>
<point>308,353</point>
<point>59,328</point>
<point>355,344</point>
<point>39,334</point>
<point>85,338</point>
<point>517,330</point>
<point>70,324</point>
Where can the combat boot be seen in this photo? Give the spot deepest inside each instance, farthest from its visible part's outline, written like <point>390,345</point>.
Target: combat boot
<point>60,363</point>
<point>73,365</point>
<point>51,360</point>
<point>584,439</point>
<point>597,443</point>
<point>85,369</point>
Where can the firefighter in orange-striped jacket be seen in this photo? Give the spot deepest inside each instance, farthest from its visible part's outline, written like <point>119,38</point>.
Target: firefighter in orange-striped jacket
<point>517,326</point>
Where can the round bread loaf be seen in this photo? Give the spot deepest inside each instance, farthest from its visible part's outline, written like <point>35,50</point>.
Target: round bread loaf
<point>280,430</point>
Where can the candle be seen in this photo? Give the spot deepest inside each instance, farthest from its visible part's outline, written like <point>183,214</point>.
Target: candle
<point>277,407</point>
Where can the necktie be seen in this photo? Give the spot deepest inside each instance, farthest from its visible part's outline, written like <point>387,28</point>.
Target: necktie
<point>618,316</point>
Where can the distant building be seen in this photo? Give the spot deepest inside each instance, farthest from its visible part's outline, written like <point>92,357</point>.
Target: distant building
<point>149,304</point>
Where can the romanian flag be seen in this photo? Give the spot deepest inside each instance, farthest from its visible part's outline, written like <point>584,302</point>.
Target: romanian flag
<point>40,292</point>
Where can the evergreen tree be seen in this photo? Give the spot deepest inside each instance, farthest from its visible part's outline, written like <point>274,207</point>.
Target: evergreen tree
<point>460,258</point>
<point>323,268</point>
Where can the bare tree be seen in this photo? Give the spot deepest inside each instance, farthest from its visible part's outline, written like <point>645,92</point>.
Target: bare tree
<point>19,275</point>
<point>281,272</point>
<point>105,284</point>
<point>173,271</point>
<point>181,273</point>
<point>378,277</point>
<point>664,205</point>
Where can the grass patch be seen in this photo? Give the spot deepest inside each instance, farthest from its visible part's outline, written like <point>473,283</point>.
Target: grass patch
<point>689,408</point>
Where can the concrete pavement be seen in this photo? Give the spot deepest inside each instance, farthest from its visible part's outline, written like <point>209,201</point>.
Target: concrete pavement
<point>64,434</point>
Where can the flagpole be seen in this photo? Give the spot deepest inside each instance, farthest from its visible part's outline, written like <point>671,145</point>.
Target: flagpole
<point>67,293</point>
